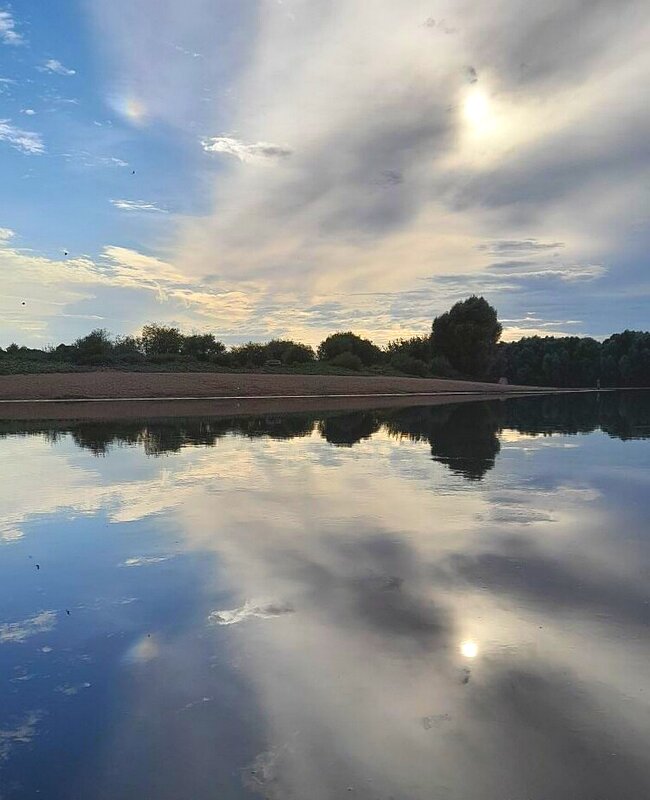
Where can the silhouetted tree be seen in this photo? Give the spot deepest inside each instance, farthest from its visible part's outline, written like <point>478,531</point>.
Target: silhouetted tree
<point>161,340</point>
<point>467,335</point>
<point>202,346</point>
<point>348,342</point>
<point>95,346</point>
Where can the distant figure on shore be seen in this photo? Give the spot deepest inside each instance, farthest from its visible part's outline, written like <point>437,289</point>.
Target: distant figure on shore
<point>503,381</point>
<point>598,384</point>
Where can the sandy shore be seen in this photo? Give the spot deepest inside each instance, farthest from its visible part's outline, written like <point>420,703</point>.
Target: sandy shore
<point>114,384</point>
<point>190,394</point>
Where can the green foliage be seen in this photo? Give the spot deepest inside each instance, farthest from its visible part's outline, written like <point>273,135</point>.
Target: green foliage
<point>347,360</point>
<point>625,359</point>
<point>573,361</point>
<point>338,343</point>
<point>93,348</point>
<point>202,346</point>
<point>249,355</point>
<point>288,352</point>
<point>161,339</point>
<point>298,353</point>
<point>409,365</point>
<point>441,368</point>
<point>467,335</point>
<point>417,347</point>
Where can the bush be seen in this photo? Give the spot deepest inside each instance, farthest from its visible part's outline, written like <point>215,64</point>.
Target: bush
<point>347,360</point>
<point>298,353</point>
<point>441,368</point>
<point>409,365</point>
<point>250,354</point>
<point>416,347</point>
<point>339,343</point>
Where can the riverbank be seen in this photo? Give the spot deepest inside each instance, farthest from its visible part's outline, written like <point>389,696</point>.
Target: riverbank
<point>112,384</point>
<point>112,394</point>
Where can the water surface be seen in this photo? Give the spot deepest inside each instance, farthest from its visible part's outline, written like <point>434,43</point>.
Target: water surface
<point>447,602</point>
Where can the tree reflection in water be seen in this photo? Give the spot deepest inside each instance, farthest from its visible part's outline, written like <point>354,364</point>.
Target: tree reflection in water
<point>463,436</point>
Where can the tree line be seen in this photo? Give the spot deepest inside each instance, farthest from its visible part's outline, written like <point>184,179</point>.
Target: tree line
<point>464,343</point>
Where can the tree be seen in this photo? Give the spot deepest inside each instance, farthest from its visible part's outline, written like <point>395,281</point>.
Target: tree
<point>411,356</point>
<point>288,351</point>
<point>202,346</point>
<point>161,340</point>
<point>95,346</point>
<point>416,347</point>
<point>338,343</point>
<point>467,335</point>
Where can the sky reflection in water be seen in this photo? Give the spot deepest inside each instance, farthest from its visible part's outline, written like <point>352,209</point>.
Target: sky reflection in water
<point>423,603</point>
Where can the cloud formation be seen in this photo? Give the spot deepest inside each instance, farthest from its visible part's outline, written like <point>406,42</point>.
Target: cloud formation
<point>27,142</point>
<point>55,66</point>
<point>8,32</point>
<point>258,151</point>
<point>414,153</point>
<point>26,628</point>
<point>137,205</point>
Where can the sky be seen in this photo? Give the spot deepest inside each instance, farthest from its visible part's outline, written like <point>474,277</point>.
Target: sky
<point>288,168</point>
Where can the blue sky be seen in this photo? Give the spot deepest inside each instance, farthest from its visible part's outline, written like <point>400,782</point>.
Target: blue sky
<point>293,167</point>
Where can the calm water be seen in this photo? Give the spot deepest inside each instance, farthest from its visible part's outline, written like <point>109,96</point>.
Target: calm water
<point>450,602</point>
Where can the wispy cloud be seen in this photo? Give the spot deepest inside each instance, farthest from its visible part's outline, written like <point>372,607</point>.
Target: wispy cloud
<point>249,610</point>
<point>54,65</point>
<point>142,561</point>
<point>23,630</point>
<point>137,205</point>
<point>8,32</point>
<point>26,141</point>
<point>518,247</point>
<point>258,151</point>
<point>22,733</point>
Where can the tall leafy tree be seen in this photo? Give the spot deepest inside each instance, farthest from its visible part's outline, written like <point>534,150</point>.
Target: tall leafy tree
<point>467,336</point>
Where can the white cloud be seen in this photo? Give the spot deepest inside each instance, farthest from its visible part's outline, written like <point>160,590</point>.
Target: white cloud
<point>142,561</point>
<point>54,65</point>
<point>249,610</point>
<point>137,205</point>
<point>29,111</point>
<point>6,234</point>
<point>8,32</point>
<point>21,734</point>
<point>26,141</point>
<point>23,630</point>
<point>258,151</point>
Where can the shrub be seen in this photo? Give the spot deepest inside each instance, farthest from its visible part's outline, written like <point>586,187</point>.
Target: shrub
<point>409,365</point>
<point>441,367</point>
<point>298,353</point>
<point>251,354</point>
<point>348,342</point>
<point>416,347</point>
<point>347,360</point>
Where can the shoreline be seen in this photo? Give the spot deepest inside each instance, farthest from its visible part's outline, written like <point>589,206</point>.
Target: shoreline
<point>118,395</point>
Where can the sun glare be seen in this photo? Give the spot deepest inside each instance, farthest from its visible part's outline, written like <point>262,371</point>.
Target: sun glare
<point>476,108</point>
<point>469,649</point>
<point>130,107</point>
